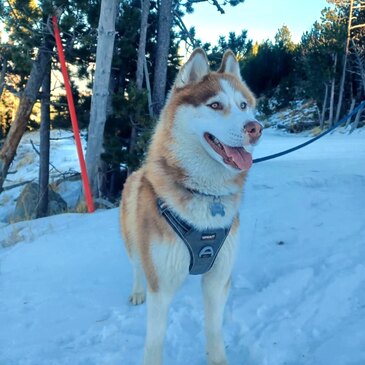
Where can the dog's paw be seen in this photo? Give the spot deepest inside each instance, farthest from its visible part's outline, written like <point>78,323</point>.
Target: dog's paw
<point>137,298</point>
<point>219,363</point>
<point>222,361</point>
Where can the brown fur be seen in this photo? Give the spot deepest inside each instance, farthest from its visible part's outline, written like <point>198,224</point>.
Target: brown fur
<point>139,190</point>
<point>149,239</point>
<point>161,173</point>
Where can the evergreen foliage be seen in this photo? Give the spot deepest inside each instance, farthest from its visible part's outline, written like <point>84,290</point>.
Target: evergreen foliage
<point>278,71</point>
<point>269,69</point>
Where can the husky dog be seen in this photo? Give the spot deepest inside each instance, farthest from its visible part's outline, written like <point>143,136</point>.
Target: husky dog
<point>194,170</point>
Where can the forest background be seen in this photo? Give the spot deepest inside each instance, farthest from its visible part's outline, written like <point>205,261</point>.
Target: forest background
<point>123,56</point>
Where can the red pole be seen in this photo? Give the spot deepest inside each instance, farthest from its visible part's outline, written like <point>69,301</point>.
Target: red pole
<point>75,126</point>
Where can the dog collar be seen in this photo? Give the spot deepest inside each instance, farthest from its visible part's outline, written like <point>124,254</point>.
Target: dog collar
<point>203,246</point>
<point>216,206</point>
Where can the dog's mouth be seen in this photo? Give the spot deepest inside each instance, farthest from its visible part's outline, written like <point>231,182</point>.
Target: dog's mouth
<point>237,157</point>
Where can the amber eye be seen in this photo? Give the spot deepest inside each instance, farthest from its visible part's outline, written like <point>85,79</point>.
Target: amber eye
<point>243,105</point>
<point>216,105</point>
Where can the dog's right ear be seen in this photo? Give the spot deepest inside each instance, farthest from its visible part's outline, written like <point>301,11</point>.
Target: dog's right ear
<point>194,69</point>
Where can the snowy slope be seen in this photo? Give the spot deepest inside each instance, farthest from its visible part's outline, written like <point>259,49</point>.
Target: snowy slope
<point>25,167</point>
<point>298,293</point>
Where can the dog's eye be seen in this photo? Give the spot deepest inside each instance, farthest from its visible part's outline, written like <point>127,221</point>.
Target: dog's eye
<point>243,105</point>
<point>216,105</point>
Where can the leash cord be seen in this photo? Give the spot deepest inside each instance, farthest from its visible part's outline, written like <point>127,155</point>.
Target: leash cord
<point>340,122</point>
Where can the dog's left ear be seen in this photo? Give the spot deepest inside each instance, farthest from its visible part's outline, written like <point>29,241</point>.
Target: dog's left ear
<point>230,64</point>
<point>194,69</point>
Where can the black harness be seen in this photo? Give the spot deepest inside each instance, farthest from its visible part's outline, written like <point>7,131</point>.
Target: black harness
<point>203,246</point>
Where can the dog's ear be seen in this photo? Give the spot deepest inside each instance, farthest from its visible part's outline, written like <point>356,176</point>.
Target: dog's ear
<point>230,64</point>
<point>194,69</point>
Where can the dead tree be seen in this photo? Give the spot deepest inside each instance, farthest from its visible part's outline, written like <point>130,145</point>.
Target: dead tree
<point>98,112</point>
<point>27,100</point>
<point>360,62</point>
<point>44,148</point>
<point>162,54</point>
<point>351,27</point>
<point>141,60</point>
<point>145,9</point>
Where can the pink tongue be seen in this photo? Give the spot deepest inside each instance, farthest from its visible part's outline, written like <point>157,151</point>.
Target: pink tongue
<point>240,157</point>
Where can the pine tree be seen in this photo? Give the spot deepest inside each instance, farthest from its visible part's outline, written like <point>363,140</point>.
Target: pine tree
<point>322,47</point>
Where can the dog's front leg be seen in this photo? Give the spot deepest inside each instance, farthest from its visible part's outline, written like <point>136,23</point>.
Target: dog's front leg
<point>157,309</point>
<point>215,296</point>
<point>216,284</point>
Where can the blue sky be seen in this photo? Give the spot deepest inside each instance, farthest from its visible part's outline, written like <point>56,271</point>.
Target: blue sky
<point>261,18</point>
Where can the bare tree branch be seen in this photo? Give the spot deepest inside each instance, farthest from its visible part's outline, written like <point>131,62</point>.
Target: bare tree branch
<point>180,23</point>
<point>38,153</point>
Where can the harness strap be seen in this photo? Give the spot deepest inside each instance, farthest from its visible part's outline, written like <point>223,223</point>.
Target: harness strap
<point>203,246</point>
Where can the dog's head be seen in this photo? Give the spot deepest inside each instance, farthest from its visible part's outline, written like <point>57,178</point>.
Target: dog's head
<point>212,114</point>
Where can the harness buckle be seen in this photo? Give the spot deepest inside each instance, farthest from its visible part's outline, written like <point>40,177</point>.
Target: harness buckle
<point>206,252</point>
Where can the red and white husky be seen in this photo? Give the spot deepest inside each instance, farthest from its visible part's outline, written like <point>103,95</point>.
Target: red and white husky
<point>200,152</point>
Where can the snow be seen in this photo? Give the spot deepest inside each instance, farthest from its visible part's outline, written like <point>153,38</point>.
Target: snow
<point>298,116</point>
<point>298,291</point>
<point>25,167</point>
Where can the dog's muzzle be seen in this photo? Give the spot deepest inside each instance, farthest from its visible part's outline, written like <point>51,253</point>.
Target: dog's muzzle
<point>254,130</point>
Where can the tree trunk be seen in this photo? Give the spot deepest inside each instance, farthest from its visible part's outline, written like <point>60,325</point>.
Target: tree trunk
<point>104,55</point>
<point>145,9</point>
<point>26,103</point>
<point>357,120</point>
<point>324,106</point>
<point>360,65</point>
<point>353,101</point>
<point>332,97</point>
<point>42,207</point>
<point>4,68</point>
<point>344,69</point>
<point>162,55</point>
<point>332,102</point>
<point>148,87</point>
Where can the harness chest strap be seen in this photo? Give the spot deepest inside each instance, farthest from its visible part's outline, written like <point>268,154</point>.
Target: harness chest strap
<point>203,246</point>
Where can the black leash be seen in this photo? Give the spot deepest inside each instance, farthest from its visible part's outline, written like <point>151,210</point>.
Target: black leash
<point>340,122</point>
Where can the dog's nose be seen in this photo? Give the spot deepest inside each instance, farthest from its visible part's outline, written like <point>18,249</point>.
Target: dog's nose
<point>254,129</point>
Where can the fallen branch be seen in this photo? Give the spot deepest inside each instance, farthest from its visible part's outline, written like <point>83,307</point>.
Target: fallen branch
<point>17,185</point>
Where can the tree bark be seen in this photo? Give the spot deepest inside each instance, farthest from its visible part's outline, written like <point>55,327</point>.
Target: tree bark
<point>360,65</point>
<point>148,87</point>
<point>145,9</point>
<point>324,106</point>
<point>44,133</point>
<point>353,102</point>
<point>332,97</point>
<point>3,74</point>
<point>98,113</point>
<point>26,103</point>
<point>344,69</point>
<point>162,55</point>
<point>357,120</point>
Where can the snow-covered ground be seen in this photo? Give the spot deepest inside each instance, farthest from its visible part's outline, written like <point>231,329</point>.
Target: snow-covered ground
<point>25,167</point>
<point>298,293</point>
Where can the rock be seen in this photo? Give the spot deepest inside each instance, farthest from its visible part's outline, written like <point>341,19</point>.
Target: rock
<point>26,204</point>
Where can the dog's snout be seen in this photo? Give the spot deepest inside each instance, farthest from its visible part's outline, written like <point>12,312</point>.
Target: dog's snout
<point>254,130</point>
